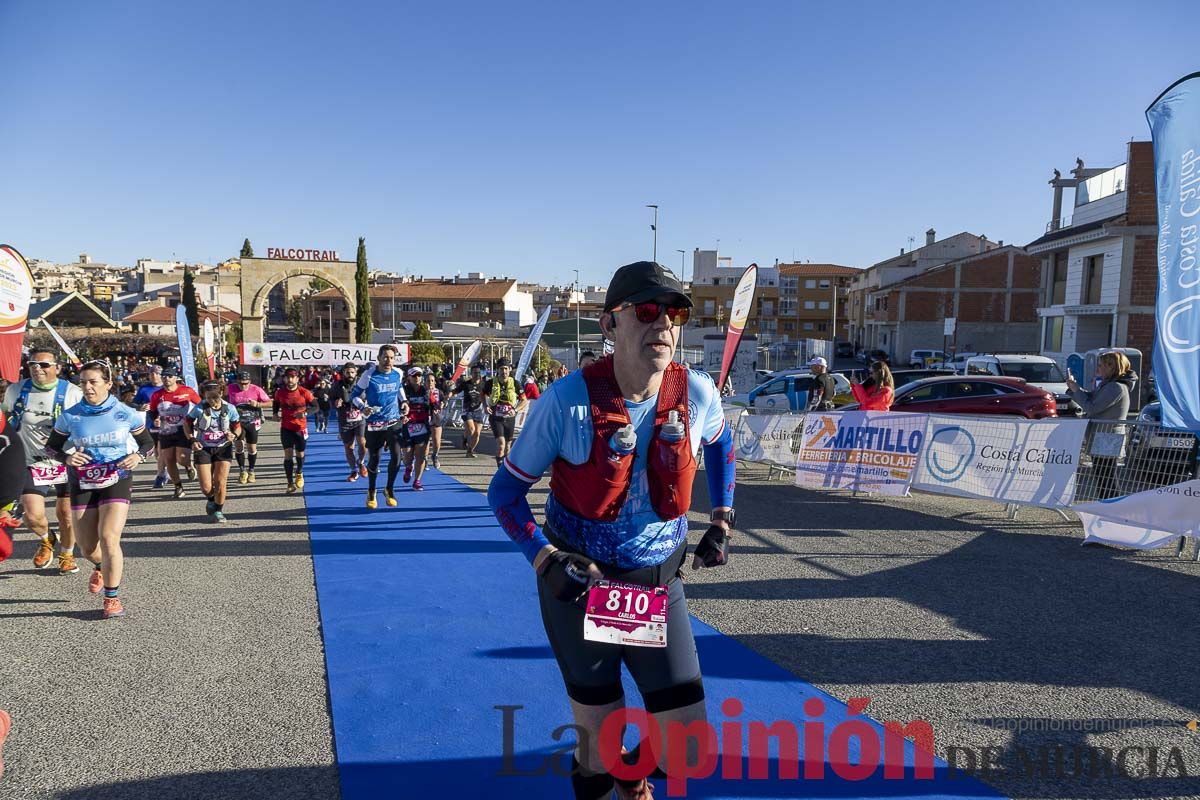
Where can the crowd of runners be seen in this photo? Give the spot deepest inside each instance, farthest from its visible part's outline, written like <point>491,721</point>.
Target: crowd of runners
<point>620,437</point>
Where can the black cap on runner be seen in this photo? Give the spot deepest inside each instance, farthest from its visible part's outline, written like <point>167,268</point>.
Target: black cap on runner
<point>641,281</point>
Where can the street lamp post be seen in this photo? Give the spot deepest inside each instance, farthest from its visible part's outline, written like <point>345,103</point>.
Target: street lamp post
<point>576,319</point>
<point>654,227</point>
<point>682,272</point>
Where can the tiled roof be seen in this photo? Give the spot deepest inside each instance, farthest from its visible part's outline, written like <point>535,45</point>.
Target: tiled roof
<point>817,269</point>
<point>161,315</point>
<point>435,290</point>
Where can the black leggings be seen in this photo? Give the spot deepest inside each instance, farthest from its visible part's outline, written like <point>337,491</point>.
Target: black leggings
<point>376,441</point>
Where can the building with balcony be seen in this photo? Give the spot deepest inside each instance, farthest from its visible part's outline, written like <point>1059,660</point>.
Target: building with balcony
<point>1099,263</point>
<point>435,302</point>
<point>813,301</point>
<point>714,279</point>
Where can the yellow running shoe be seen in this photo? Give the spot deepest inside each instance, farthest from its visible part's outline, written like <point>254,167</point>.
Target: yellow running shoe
<point>371,502</point>
<point>244,477</point>
<point>299,481</point>
<point>389,497</point>
<point>66,564</point>
<point>250,476</point>
<point>44,553</point>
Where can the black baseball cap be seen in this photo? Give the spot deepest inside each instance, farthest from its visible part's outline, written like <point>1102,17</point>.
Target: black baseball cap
<point>170,372</point>
<point>243,376</point>
<point>641,281</point>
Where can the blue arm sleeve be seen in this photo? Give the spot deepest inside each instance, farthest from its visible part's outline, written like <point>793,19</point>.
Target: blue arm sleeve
<point>719,468</point>
<point>507,497</point>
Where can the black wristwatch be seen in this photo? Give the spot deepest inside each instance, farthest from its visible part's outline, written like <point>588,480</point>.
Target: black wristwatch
<point>728,517</point>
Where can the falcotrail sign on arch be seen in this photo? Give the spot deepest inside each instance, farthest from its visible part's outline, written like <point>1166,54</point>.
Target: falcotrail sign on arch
<point>269,354</point>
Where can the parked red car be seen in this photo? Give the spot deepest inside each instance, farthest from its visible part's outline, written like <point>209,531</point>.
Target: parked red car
<point>974,394</point>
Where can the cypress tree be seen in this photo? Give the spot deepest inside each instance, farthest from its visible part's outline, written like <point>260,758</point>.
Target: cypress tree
<point>362,295</point>
<point>188,292</point>
<point>247,250</point>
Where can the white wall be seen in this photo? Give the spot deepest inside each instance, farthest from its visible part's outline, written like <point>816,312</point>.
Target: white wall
<point>1111,286</point>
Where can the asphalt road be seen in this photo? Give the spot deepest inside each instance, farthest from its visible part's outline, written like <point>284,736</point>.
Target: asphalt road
<point>999,633</point>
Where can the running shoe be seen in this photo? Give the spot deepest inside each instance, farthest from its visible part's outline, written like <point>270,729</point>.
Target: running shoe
<point>113,607</point>
<point>407,474</point>
<point>210,508</point>
<point>250,476</point>
<point>44,553</point>
<point>96,582</point>
<point>5,727</point>
<point>471,454</point>
<point>179,492</point>
<point>219,516</point>
<point>437,463</point>
<point>362,470</point>
<point>352,477</point>
<point>389,497</point>
<point>66,564</point>
<point>191,473</point>
<point>292,488</point>
<point>299,481</point>
<point>244,477</point>
<point>371,502</point>
<point>418,486</point>
<point>160,481</point>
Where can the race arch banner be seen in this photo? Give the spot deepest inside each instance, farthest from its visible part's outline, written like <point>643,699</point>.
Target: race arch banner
<point>1029,462</point>
<point>271,354</point>
<point>869,451</point>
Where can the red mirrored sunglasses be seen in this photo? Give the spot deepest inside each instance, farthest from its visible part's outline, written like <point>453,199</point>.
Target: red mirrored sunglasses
<point>649,312</point>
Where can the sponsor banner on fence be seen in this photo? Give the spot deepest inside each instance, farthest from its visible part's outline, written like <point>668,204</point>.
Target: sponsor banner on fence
<point>1007,460</point>
<point>1144,520</point>
<point>870,451</point>
<point>269,354</point>
<point>768,438</point>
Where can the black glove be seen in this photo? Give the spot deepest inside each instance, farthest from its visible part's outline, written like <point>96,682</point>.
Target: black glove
<point>712,550</point>
<point>566,575</point>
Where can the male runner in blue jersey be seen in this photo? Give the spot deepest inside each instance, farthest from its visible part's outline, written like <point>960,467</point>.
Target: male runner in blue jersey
<point>620,438</point>
<point>379,390</point>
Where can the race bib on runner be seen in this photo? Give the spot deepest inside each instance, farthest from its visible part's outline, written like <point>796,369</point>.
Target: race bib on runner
<point>99,476</point>
<point>503,410</point>
<point>213,437</point>
<point>49,476</point>
<point>353,415</point>
<point>381,426</point>
<point>417,428</point>
<point>622,613</point>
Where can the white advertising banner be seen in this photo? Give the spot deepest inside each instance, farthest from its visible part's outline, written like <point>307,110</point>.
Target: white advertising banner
<point>272,354</point>
<point>1144,520</point>
<point>870,451</point>
<point>1030,462</point>
<point>768,438</point>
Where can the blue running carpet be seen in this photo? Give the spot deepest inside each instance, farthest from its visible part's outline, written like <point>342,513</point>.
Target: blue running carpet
<point>430,622</point>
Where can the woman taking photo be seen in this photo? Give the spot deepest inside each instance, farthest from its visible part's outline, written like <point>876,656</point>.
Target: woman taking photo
<point>96,440</point>
<point>212,427</point>
<point>1109,400</point>
<point>876,394</point>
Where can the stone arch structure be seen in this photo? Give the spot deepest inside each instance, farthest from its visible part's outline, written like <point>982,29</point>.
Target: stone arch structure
<point>260,275</point>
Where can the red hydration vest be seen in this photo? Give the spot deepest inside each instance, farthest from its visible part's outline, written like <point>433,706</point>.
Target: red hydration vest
<point>597,488</point>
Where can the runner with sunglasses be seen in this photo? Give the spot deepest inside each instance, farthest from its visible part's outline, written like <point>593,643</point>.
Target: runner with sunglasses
<point>620,438</point>
<point>293,402</point>
<point>212,427</point>
<point>101,441</point>
<point>249,399</point>
<point>170,405</point>
<point>417,426</point>
<point>504,398</point>
<point>32,405</point>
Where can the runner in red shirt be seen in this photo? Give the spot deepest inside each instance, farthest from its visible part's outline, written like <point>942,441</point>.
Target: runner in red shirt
<point>171,404</point>
<point>293,401</point>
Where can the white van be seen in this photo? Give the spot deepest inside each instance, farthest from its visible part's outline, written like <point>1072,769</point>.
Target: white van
<point>1040,371</point>
<point>920,359</point>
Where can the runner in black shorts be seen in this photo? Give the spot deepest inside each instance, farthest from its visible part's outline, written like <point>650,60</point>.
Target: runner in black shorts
<point>416,428</point>
<point>351,423</point>
<point>293,401</point>
<point>504,398</point>
<point>212,427</point>
<point>472,414</point>
<point>249,399</point>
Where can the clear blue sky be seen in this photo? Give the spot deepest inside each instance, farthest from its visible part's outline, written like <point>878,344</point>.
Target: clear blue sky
<point>525,139</point>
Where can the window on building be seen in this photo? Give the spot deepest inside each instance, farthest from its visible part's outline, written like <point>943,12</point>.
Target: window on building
<point>709,307</point>
<point>824,284</point>
<point>1058,279</point>
<point>1054,328</point>
<point>810,284</point>
<point>822,326</point>
<point>808,326</point>
<point>810,305</point>
<point>1093,279</point>
<point>788,326</point>
<point>823,305</point>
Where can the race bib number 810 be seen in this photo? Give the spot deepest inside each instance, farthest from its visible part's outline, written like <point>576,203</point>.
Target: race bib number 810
<point>622,613</point>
